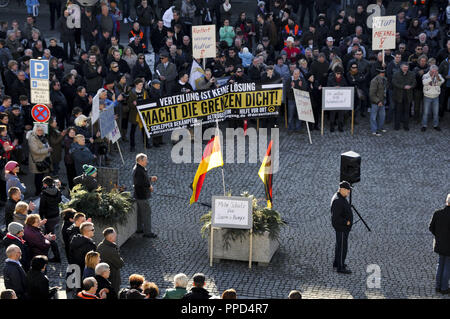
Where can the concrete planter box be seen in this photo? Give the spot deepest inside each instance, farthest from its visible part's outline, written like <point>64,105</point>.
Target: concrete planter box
<point>263,248</point>
<point>124,231</point>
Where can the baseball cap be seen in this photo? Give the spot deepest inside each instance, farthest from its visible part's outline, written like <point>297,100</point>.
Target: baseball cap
<point>290,39</point>
<point>345,184</point>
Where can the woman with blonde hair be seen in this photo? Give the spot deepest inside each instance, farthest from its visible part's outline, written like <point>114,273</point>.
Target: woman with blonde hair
<point>91,260</point>
<point>130,57</point>
<point>20,213</point>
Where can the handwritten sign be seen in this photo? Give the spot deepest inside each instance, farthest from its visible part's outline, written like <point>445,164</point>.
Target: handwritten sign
<point>232,212</point>
<point>115,135</point>
<point>383,33</point>
<point>204,41</point>
<point>337,98</point>
<point>304,107</point>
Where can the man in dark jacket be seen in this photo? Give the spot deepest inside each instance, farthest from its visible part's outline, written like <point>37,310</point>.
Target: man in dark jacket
<point>89,28</point>
<point>15,237</point>
<point>403,81</point>
<point>197,292</point>
<point>440,228</point>
<point>81,154</point>
<point>67,35</point>
<point>337,79</point>
<point>109,253</point>
<point>37,282</point>
<point>87,179</point>
<point>82,244</point>
<point>342,220</point>
<point>145,17</point>
<point>13,274</point>
<point>142,193</point>
<point>49,204</point>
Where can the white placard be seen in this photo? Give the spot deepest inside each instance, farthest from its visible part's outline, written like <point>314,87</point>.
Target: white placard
<point>204,41</point>
<point>304,107</point>
<point>383,32</point>
<point>337,98</point>
<point>95,114</point>
<point>232,212</point>
<point>115,135</point>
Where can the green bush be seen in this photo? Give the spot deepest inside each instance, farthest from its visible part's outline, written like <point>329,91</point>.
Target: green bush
<point>111,207</point>
<point>264,219</point>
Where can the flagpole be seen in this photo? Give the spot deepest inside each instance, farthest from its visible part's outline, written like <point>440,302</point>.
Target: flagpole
<point>223,174</point>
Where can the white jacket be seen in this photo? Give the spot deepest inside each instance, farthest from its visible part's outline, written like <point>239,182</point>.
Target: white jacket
<point>432,88</point>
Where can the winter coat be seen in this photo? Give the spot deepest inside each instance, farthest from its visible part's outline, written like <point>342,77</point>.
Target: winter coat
<point>131,293</point>
<point>341,213</point>
<point>10,207</point>
<point>49,203</point>
<point>38,244</point>
<point>105,283</point>
<point>377,91</point>
<point>432,88</point>
<point>68,160</point>
<point>38,286</point>
<point>38,152</point>
<point>55,141</point>
<point>22,244</point>
<point>440,228</point>
<point>197,293</point>
<point>227,34</point>
<point>141,71</point>
<point>94,80</point>
<point>79,246</point>
<point>59,102</point>
<point>170,73</point>
<point>15,278</point>
<point>13,181</point>
<point>82,103</point>
<point>133,110</point>
<point>399,80</point>
<point>87,181</point>
<point>19,88</point>
<point>141,182</point>
<point>246,58</point>
<point>109,253</point>
<point>145,15</point>
<point>88,26</point>
<point>67,34</point>
<point>81,155</point>
<point>175,293</point>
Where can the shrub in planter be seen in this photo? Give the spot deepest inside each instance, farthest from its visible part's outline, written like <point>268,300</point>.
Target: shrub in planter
<point>264,220</point>
<point>107,207</point>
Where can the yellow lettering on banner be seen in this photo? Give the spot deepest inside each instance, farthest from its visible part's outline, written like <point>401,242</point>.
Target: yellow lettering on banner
<point>218,104</point>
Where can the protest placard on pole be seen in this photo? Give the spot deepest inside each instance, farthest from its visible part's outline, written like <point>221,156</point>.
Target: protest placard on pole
<point>95,108</point>
<point>338,99</point>
<point>204,41</point>
<point>107,121</point>
<point>304,108</point>
<point>383,33</point>
<point>114,137</point>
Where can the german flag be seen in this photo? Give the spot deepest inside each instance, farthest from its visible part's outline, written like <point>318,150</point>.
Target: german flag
<point>265,173</point>
<point>212,158</point>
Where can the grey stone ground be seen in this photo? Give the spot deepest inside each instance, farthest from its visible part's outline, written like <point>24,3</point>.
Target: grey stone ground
<point>404,178</point>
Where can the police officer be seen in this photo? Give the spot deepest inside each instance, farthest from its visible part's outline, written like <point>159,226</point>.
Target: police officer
<point>342,220</point>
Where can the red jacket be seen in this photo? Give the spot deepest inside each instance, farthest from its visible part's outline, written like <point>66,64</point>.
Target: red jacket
<point>292,53</point>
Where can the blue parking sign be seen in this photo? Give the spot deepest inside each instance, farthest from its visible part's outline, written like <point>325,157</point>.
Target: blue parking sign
<point>39,69</point>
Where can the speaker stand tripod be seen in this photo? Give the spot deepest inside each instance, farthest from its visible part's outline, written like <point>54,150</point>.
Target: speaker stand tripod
<point>356,211</point>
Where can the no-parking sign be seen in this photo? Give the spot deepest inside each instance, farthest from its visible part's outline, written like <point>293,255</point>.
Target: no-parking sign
<point>40,113</point>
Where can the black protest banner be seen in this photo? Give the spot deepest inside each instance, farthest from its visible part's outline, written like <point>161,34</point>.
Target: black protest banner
<point>232,101</point>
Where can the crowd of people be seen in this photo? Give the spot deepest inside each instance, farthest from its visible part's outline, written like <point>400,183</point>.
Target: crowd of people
<point>278,43</point>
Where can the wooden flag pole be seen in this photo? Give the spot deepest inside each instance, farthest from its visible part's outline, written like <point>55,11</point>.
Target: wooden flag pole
<point>211,247</point>
<point>251,249</point>
<point>285,115</point>
<point>120,152</point>
<point>309,132</point>
<point>322,124</point>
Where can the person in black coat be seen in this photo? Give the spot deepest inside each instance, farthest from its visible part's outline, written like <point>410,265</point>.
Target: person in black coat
<point>67,35</point>
<point>102,272</point>
<point>82,243</point>
<point>13,274</point>
<point>337,79</point>
<point>59,104</point>
<point>342,221</point>
<point>69,89</point>
<point>37,282</point>
<point>82,101</point>
<point>141,69</point>
<point>49,204</point>
<point>197,292</point>
<point>440,228</point>
<point>68,215</point>
<point>15,237</point>
<point>21,86</point>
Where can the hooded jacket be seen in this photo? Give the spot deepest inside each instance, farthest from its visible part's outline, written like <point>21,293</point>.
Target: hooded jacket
<point>49,204</point>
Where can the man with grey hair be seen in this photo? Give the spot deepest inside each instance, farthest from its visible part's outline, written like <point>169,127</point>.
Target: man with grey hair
<point>102,275</point>
<point>109,253</point>
<point>432,82</point>
<point>13,274</point>
<point>440,228</point>
<point>142,193</point>
<point>180,283</point>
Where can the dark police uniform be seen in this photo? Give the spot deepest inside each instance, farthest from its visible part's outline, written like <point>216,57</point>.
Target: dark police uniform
<point>341,213</point>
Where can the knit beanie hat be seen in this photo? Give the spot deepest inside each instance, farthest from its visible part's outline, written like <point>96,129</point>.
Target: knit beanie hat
<point>89,169</point>
<point>14,228</point>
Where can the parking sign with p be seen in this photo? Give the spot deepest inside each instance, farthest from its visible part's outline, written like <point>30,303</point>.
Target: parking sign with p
<point>39,69</point>
<point>39,84</point>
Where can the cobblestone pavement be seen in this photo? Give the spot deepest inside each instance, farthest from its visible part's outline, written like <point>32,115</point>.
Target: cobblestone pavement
<point>404,178</point>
